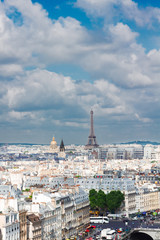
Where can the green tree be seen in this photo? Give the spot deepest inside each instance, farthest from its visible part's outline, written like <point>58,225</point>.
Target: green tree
<point>93,199</point>
<point>101,200</point>
<point>114,200</point>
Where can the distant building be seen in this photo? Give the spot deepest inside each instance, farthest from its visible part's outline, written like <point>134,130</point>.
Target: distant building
<point>61,153</point>
<point>62,148</point>
<point>126,152</point>
<point>53,146</point>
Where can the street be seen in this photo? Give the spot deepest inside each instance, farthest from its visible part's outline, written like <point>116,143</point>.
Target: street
<point>125,225</point>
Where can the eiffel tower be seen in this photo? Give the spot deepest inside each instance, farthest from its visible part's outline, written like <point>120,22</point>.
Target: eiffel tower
<point>92,143</point>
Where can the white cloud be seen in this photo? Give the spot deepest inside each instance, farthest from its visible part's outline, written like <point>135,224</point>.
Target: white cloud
<point>99,8</point>
<point>122,34</point>
<point>38,41</point>
<point>137,78</point>
<point>13,115</point>
<point>144,120</point>
<point>39,89</point>
<point>40,95</point>
<point>76,124</point>
<point>120,59</point>
<point>10,70</point>
<point>108,9</point>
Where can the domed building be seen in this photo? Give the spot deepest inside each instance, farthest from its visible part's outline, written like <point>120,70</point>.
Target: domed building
<point>53,145</point>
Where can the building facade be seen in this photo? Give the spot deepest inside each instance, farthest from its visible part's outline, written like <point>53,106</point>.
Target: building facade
<point>9,225</point>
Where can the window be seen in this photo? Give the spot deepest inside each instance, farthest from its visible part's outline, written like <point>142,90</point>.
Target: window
<point>15,217</point>
<point>7,219</point>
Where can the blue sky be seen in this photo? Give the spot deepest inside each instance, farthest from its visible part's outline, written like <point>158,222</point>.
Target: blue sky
<point>59,59</point>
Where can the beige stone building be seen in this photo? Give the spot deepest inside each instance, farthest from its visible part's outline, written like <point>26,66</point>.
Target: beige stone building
<point>147,200</point>
<point>33,227</point>
<point>23,224</point>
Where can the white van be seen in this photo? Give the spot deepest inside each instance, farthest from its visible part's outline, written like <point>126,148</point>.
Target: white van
<point>111,235</point>
<point>104,233</point>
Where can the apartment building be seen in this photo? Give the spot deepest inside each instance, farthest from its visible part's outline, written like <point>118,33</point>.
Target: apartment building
<point>23,224</point>
<point>147,200</point>
<point>34,231</point>
<point>9,225</point>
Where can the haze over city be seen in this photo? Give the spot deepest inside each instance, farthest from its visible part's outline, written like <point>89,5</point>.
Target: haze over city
<point>60,59</point>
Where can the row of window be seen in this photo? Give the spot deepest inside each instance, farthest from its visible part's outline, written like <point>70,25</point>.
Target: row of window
<point>12,229</point>
<point>11,218</point>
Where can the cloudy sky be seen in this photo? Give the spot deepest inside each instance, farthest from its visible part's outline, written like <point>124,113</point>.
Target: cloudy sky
<point>60,58</point>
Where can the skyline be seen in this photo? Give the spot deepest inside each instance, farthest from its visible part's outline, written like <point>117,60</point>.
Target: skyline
<point>60,59</point>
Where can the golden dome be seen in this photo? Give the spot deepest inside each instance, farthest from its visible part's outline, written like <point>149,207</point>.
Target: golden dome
<point>53,142</point>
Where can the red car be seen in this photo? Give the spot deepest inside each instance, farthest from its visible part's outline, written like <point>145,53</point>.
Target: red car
<point>120,230</point>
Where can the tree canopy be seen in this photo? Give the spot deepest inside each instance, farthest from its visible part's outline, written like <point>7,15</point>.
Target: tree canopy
<point>101,200</point>
<point>97,199</point>
<point>111,201</point>
<point>93,198</point>
<point>114,200</point>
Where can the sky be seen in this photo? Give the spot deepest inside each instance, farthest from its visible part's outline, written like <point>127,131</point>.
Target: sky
<point>61,58</point>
